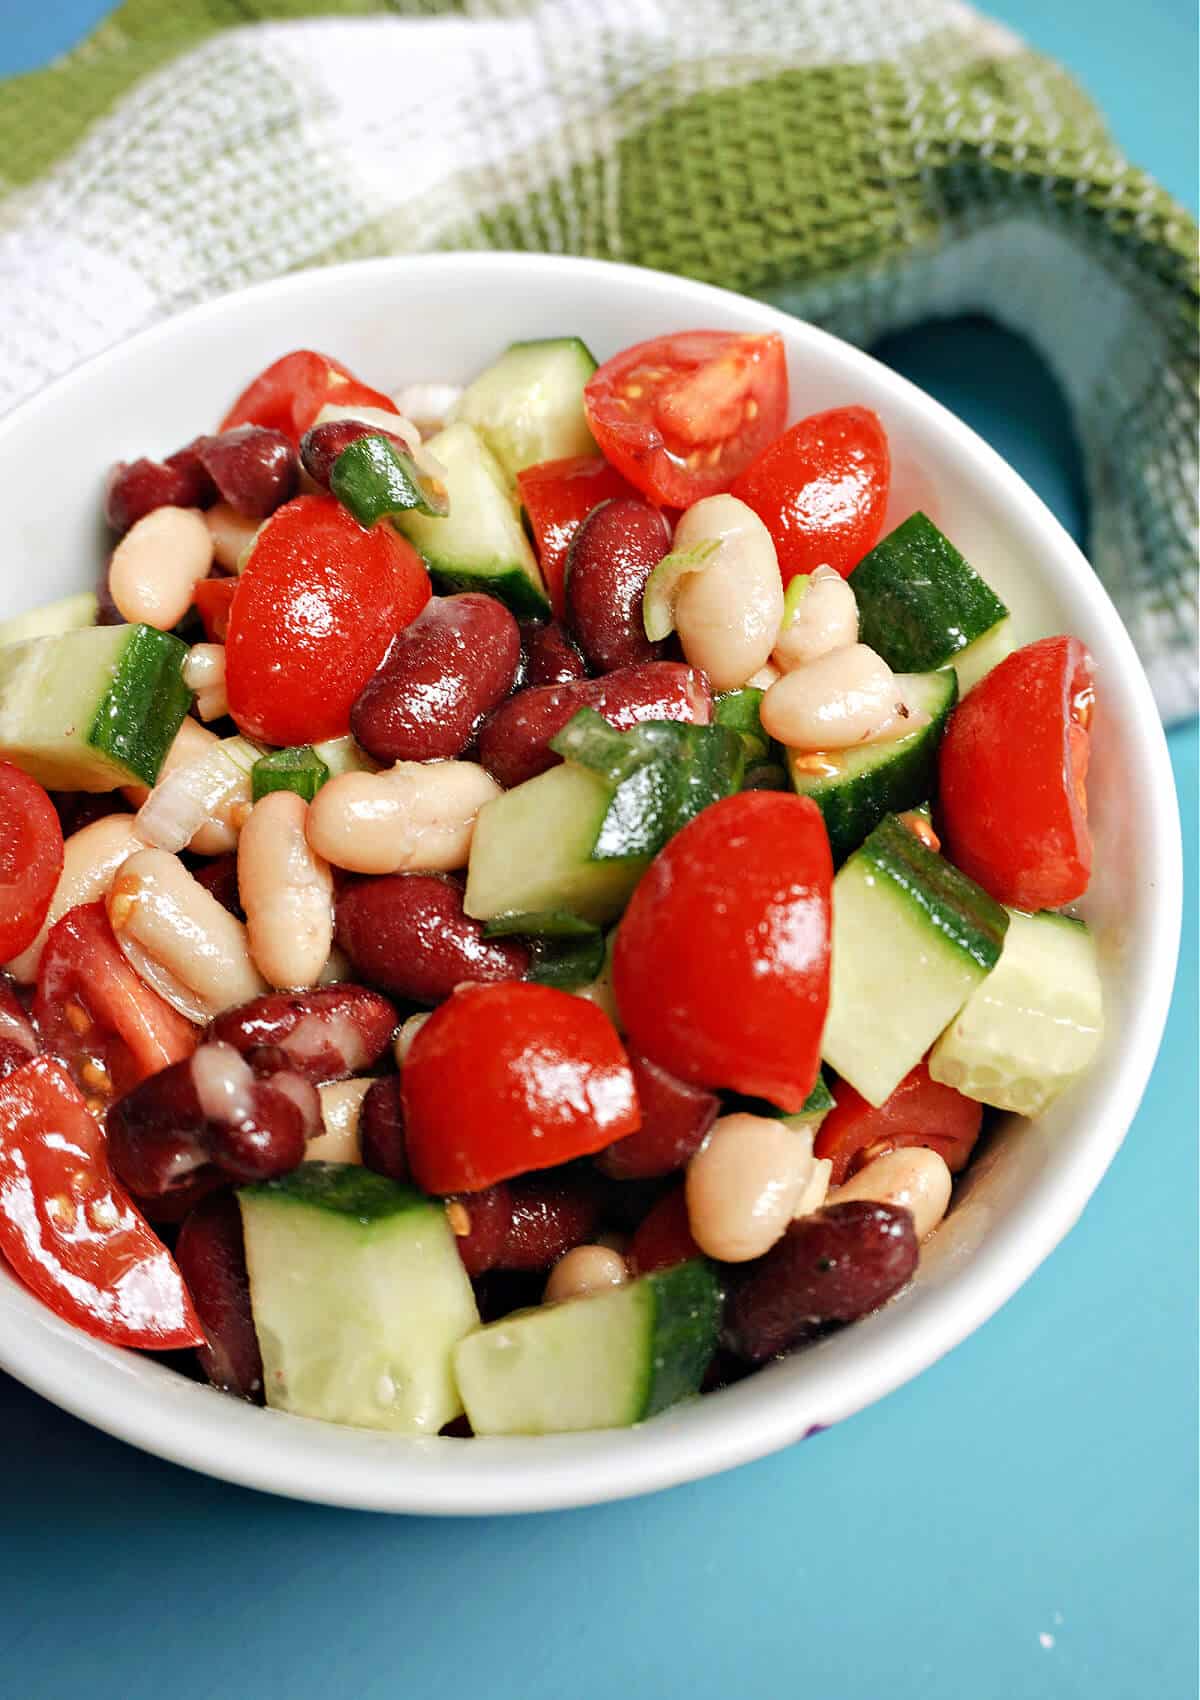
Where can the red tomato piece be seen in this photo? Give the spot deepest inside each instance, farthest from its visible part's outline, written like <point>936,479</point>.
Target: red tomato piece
<point>558,495</point>
<point>664,1236</point>
<point>510,1077</point>
<point>682,415</point>
<point>821,490</point>
<point>97,1015</point>
<point>316,607</point>
<point>289,394</point>
<point>67,1229</point>
<point>921,1111</point>
<point>1012,770</point>
<point>721,962</point>
<point>31,858</point>
<point>213,598</point>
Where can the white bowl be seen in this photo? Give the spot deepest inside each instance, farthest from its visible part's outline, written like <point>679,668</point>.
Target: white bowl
<point>446,316</point>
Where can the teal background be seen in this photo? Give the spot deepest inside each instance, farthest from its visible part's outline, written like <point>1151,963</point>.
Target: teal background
<point>1017,1524</point>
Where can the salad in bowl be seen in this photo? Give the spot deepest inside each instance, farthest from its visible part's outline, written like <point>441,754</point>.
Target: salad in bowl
<point>519,900</point>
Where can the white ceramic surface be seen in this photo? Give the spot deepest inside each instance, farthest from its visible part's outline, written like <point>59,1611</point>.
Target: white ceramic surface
<point>446,316</point>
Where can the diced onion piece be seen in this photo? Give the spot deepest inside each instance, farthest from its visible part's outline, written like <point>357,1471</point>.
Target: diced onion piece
<point>192,796</point>
<point>376,418</point>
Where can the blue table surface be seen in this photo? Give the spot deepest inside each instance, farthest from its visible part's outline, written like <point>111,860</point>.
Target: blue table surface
<point>1018,1523</point>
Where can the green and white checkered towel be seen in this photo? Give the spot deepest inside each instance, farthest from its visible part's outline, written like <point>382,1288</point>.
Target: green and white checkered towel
<point>863,163</point>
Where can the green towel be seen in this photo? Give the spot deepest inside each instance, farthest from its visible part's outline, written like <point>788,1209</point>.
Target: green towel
<point>863,163</point>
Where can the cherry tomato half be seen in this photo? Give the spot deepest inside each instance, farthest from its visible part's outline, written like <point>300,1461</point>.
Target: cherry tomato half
<point>510,1077</point>
<point>682,415</point>
<point>31,858</point>
<point>721,962</point>
<point>1012,771</point>
<point>558,495</point>
<point>921,1111</point>
<point>318,603</point>
<point>67,1229</point>
<point>289,394</point>
<point>97,1015</point>
<point>213,598</point>
<point>821,490</point>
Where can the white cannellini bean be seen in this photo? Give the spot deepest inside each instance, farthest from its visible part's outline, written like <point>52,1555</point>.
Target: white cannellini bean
<point>179,938</point>
<point>744,1185</point>
<point>403,1042</point>
<point>913,1178</point>
<point>825,618</point>
<point>156,566</point>
<point>191,743</point>
<point>764,678</point>
<point>91,857</point>
<point>727,612</point>
<point>415,815</point>
<point>584,1271</point>
<point>341,1111</point>
<point>846,698</point>
<point>204,673</point>
<point>286,891</point>
<point>232,534</point>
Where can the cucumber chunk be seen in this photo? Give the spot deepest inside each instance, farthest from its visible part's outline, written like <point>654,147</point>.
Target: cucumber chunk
<point>740,710</point>
<point>532,850</point>
<point>919,601</point>
<point>480,544</point>
<point>68,614</point>
<point>359,1298</point>
<point>912,938</point>
<point>528,406</point>
<point>978,659</point>
<point>373,479</point>
<point>1034,1025</point>
<point>854,789</point>
<point>344,755</point>
<point>298,769</point>
<point>90,710</point>
<point>600,1362</point>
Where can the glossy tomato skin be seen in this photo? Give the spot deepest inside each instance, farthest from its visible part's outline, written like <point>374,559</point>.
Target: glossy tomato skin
<point>213,598</point>
<point>67,1229</point>
<point>721,962</point>
<point>821,490</point>
<point>510,1077</point>
<point>287,395</point>
<point>31,858</point>
<point>97,1015</point>
<point>1013,808</point>
<point>681,416</point>
<point>315,609</point>
<point>921,1111</point>
<point>558,495</point>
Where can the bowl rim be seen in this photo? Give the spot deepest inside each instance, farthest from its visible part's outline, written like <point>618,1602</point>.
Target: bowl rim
<point>166,1414</point>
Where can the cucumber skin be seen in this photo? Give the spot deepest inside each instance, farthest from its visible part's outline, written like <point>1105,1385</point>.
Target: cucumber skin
<point>687,1317</point>
<point>137,718</point>
<point>853,806</point>
<point>344,1189</point>
<point>508,584</point>
<point>299,769</point>
<point>934,885</point>
<point>915,579</point>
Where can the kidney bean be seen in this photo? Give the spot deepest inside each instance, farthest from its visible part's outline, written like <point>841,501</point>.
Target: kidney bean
<point>211,1255</point>
<point>77,809</point>
<point>550,658</point>
<point>526,1224</point>
<point>501,1291</point>
<point>136,487</point>
<point>321,446</point>
<point>254,468</point>
<point>18,1041</point>
<point>514,742</point>
<point>408,934</point>
<point>675,1119</point>
<point>169,1209</point>
<point>441,677</point>
<point>664,1238</point>
<point>832,1266</point>
<point>381,1129</point>
<point>324,1034</point>
<point>610,558</point>
<point>218,874</point>
<point>210,1109</point>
